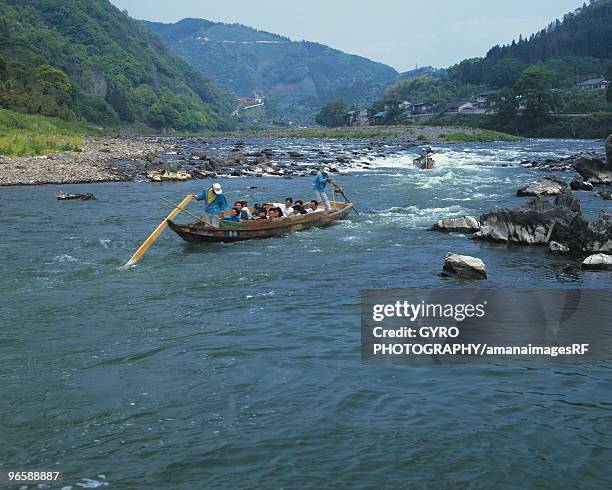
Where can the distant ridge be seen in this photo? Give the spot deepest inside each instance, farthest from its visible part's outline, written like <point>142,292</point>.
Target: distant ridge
<point>300,76</point>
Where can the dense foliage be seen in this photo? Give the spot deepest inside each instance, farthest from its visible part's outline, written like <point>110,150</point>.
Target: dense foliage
<point>87,59</point>
<point>333,115</point>
<point>535,77</point>
<point>302,76</point>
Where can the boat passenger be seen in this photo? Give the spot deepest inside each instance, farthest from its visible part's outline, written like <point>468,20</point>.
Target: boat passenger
<point>215,199</point>
<point>260,214</point>
<point>299,202</point>
<point>243,211</point>
<point>288,207</point>
<point>234,216</point>
<point>319,184</point>
<point>312,206</point>
<point>275,212</point>
<point>297,210</point>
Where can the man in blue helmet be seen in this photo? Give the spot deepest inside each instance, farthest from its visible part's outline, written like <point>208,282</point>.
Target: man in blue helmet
<point>319,184</point>
<point>214,199</point>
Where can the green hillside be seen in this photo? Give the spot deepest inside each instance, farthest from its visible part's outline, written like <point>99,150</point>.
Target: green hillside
<point>535,78</point>
<point>85,59</point>
<point>301,76</point>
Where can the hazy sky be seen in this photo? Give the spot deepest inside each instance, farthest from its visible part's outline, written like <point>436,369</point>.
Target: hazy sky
<point>399,33</point>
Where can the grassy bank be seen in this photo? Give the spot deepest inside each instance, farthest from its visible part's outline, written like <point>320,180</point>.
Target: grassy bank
<point>584,126</point>
<point>424,134</point>
<point>27,135</point>
<point>481,136</point>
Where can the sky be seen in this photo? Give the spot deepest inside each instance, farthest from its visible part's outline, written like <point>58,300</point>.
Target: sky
<point>402,34</point>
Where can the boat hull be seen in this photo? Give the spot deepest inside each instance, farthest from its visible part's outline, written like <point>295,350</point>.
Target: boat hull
<point>249,230</point>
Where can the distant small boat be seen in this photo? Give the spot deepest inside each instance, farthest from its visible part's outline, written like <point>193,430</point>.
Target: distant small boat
<point>230,231</point>
<point>425,163</point>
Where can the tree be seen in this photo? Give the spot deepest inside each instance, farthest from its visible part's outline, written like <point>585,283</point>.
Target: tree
<point>333,115</point>
<point>533,89</point>
<point>54,82</point>
<point>506,106</point>
<point>505,73</point>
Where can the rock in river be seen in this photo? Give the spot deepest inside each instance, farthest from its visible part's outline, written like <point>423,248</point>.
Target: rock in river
<point>593,169</point>
<point>531,223</point>
<point>579,184</point>
<point>598,262</point>
<point>464,267</point>
<point>168,175</point>
<point>465,224</point>
<point>605,195</point>
<point>558,247</point>
<point>64,196</point>
<point>548,186</point>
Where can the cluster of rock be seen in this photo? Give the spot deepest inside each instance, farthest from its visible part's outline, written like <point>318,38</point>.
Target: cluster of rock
<point>171,158</point>
<point>198,158</point>
<point>560,225</point>
<point>593,167</point>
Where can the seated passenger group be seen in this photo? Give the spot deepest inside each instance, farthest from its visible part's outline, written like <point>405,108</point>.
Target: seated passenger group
<point>241,212</point>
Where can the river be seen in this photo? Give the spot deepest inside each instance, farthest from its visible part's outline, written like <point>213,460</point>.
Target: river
<point>238,365</point>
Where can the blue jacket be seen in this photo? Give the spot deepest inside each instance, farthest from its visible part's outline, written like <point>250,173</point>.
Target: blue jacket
<point>231,218</point>
<point>214,205</point>
<point>319,182</point>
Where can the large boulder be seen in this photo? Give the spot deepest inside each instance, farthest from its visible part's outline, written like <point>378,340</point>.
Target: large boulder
<point>557,247</point>
<point>580,235</point>
<point>464,267</point>
<point>593,169</point>
<point>598,262</point>
<point>168,175</point>
<point>548,186</point>
<point>529,224</point>
<point>464,224</point>
<point>579,184</point>
<point>64,196</point>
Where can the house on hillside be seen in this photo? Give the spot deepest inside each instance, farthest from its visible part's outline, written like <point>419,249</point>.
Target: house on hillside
<point>424,108</point>
<point>359,118</point>
<point>483,100</point>
<point>597,83</point>
<point>461,106</point>
<point>405,105</point>
<point>379,117</point>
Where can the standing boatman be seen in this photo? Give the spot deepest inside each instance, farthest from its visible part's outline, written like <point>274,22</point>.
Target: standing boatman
<point>318,186</point>
<point>215,200</point>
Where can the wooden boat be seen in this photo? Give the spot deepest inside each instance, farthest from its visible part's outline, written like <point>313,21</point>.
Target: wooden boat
<point>230,231</point>
<point>423,164</point>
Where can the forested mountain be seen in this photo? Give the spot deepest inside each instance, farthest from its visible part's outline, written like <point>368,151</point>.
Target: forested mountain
<point>578,46</point>
<point>583,34</point>
<point>87,59</point>
<point>300,76</point>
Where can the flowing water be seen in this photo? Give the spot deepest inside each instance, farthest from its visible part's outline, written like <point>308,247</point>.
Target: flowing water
<point>238,365</point>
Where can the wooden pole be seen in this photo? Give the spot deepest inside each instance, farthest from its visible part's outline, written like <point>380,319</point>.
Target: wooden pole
<point>158,231</point>
<point>341,191</point>
<point>185,211</point>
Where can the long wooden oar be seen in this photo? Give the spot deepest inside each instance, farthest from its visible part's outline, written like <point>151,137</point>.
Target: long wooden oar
<point>158,231</point>
<point>341,191</point>
<point>185,211</point>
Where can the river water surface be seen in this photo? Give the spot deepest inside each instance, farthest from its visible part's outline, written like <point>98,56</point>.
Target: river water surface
<point>238,365</point>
